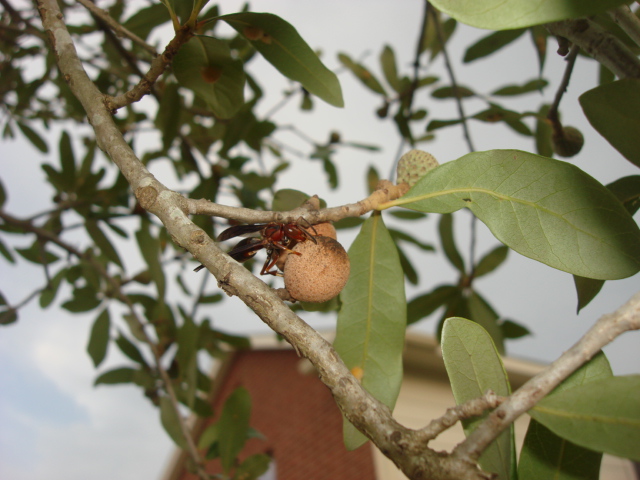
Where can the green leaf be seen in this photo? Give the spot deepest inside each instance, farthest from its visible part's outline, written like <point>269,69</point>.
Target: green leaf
<point>102,242</point>
<point>67,162</point>
<point>389,68</point>
<point>482,313</point>
<point>453,92</point>
<point>544,209</point>
<point>511,329</point>
<point>491,261</point>
<point>116,376</point>
<point>587,289</point>
<point>129,349</point>
<point>437,124</point>
<point>535,85</point>
<point>3,195</point>
<point>426,304</point>
<point>146,19</point>
<point>372,320</point>
<point>498,15</point>
<point>613,110</point>
<point>445,227</point>
<point>48,295</point>
<point>543,133</point>
<point>204,65</point>
<point>187,340</point>
<point>362,73</point>
<point>474,366</point>
<point>6,253</point>
<point>253,467</point>
<point>84,299</point>
<point>627,190</point>
<point>281,45</point>
<point>168,116</point>
<point>602,415</point>
<point>150,249</point>
<point>234,426</point>
<point>170,420</point>
<point>288,199</point>
<point>8,316</point>
<point>491,43</point>
<point>36,253</point>
<point>545,455</point>
<point>99,338</point>
<point>34,137</point>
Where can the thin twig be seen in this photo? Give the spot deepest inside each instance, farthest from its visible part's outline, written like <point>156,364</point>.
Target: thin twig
<point>454,83</point>
<point>414,83</point>
<point>552,115</point>
<point>385,192</point>
<point>116,27</point>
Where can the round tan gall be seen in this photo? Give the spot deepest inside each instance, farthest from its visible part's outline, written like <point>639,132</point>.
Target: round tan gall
<point>319,273</point>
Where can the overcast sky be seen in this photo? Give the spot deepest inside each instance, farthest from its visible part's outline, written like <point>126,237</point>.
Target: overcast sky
<point>55,425</point>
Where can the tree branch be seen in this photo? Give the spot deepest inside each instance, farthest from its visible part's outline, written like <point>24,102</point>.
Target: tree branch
<point>407,448</point>
<point>385,192</point>
<point>600,44</point>
<point>628,21</point>
<point>607,328</point>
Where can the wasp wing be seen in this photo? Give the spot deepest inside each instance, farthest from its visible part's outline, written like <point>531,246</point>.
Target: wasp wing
<point>238,230</point>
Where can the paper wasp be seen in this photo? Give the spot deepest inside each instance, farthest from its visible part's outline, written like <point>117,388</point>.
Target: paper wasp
<point>276,238</point>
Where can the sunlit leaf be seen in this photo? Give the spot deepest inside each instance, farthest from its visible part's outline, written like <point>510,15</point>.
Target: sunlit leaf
<point>498,15</point>
<point>474,366</point>
<point>281,45</point>
<point>372,320</point>
<point>99,338</point>
<point>542,208</point>
<point>613,110</point>
<point>204,65</point>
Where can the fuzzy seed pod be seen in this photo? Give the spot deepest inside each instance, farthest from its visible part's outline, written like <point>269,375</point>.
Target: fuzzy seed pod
<point>325,229</point>
<point>413,165</point>
<point>319,273</point>
<point>568,142</point>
